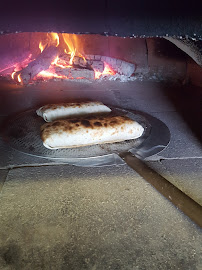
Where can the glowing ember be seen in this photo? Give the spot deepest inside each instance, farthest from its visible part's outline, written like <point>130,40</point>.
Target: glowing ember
<point>55,61</point>
<point>60,63</point>
<point>68,45</point>
<point>106,72</point>
<point>49,74</point>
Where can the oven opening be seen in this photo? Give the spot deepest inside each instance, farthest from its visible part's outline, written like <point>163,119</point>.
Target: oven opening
<point>31,57</point>
<point>39,68</point>
<point>82,207</point>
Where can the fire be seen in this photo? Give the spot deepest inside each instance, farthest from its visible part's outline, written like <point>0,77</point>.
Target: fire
<point>12,75</point>
<point>69,44</point>
<point>72,57</point>
<point>60,63</point>
<point>51,39</point>
<point>80,55</point>
<point>41,47</point>
<point>55,61</point>
<point>49,74</point>
<point>73,46</point>
<point>55,38</point>
<point>107,71</point>
<point>19,79</point>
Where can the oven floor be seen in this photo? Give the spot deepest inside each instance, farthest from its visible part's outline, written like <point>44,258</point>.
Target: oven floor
<point>65,217</point>
<point>68,217</point>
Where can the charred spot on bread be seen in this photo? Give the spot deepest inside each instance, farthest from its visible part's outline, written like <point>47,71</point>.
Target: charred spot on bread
<point>85,123</point>
<point>97,124</point>
<point>73,121</point>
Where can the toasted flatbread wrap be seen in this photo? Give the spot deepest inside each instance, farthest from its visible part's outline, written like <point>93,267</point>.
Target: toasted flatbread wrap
<point>53,112</point>
<point>90,130</point>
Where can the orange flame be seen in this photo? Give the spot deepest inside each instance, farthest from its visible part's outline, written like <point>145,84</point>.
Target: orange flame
<point>80,55</point>
<point>12,75</point>
<point>19,79</point>
<point>74,47</point>
<point>55,60</point>
<point>60,63</point>
<point>52,38</point>
<point>72,57</point>
<point>49,74</point>
<point>55,38</point>
<point>41,47</point>
<point>107,71</point>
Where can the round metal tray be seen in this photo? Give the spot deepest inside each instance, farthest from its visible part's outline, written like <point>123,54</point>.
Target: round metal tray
<point>23,134</point>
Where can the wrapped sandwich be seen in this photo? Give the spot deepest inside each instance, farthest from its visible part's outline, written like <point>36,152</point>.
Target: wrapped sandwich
<point>53,112</point>
<point>69,133</point>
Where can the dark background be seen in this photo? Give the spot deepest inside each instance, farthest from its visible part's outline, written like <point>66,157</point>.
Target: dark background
<point>122,18</point>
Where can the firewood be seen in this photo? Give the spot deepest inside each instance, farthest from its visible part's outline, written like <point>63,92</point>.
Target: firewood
<point>119,66</point>
<point>42,62</point>
<point>77,61</point>
<point>87,63</point>
<point>11,59</point>
<point>74,73</point>
<point>96,65</point>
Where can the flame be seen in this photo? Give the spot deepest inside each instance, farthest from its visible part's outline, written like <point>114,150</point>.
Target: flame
<point>55,61</point>
<point>70,42</point>
<point>41,47</point>
<point>12,75</point>
<point>55,38</point>
<point>80,55</point>
<point>60,63</point>
<point>51,39</point>
<point>49,74</point>
<point>19,79</point>
<point>72,57</point>
<point>72,46</point>
<point>107,71</point>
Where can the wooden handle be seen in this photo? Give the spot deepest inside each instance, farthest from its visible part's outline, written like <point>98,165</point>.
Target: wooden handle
<point>183,202</point>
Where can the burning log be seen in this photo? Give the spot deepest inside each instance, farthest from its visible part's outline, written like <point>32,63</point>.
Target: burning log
<point>13,59</point>
<point>84,63</point>
<point>119,66</point>
<point>75,73</point>
<point>42,62</point>
<point>97,65</point>
<point>77,61</point>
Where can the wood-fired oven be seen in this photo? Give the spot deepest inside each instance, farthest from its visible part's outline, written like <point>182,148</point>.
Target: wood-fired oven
<point>87,209</point>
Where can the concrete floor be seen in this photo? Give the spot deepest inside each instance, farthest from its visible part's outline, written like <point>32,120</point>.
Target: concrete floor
<point>100,219</point>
